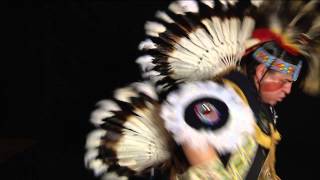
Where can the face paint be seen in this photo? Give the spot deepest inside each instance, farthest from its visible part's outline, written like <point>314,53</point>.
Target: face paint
<point>271,86</point>
<point>274,81</point>
<point>274,87</point>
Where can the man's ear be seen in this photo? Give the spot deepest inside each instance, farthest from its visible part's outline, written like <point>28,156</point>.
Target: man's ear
<point>260,71</point>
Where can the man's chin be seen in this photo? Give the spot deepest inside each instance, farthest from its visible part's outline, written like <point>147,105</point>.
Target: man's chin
<point>273,103</point>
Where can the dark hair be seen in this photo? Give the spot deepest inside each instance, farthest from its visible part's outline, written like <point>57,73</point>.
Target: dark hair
<point>249,64</point>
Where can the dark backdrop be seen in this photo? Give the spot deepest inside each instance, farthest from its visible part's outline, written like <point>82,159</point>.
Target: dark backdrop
<point>68,55</point>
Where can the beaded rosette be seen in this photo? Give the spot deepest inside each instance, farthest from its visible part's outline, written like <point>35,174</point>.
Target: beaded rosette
<point>207,113</point>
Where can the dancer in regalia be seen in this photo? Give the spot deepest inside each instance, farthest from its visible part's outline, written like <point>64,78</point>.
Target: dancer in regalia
<point>214,70</point>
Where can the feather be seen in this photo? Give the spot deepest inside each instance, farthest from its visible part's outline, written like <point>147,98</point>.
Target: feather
<point>94,138</point>
<point>189,6</point>
<point>124,94</point>
<point>311,83</point>
<point>164,16</point>
<point>113,176</point>
<point>209,3</point>
<point>305,9</point>
<point>181,7</point>
<point>105,109</point>
<point>154,28</point>
<point>147,44</point>
<point>257,3</point>
<point>145,63</point>
<point>98,166</point>
<point>146,88</point>
<point>314,31</point>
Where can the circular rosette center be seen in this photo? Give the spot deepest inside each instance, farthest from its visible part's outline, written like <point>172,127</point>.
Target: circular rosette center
<point>206,113</point>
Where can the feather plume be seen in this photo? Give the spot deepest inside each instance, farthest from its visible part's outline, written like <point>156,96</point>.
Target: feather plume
<point>130,137</point>
<point>198,40</point>
<point>301,28</point>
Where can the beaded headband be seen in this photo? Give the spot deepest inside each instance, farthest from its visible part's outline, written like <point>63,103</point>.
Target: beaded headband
<point>277,64</point>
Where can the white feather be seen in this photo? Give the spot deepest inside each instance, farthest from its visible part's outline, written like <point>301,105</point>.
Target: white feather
<point>90,155</point>
<point>189,6</point>
<point>124,94</point>
<point>164,16</point>
<point>108,105</point>
<point>146,88</point>
<point>98,166</point>
<point>247,28</point>
<point>154,28</point>
<point>250,43</point>
<point>176,8</point>
<point>257,3</point>
<point>209,3</point>
<point>94,138</point>
<point>104,111</point>
<point>98,115</point>
<point>151,74</point>
<point>231,2</point>
<point>92,144</point>
<point>113,176</point>
<point>147,44</point>
<point>145,63</point>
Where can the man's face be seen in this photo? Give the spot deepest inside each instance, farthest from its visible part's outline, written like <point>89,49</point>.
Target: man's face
<point>274,87</point>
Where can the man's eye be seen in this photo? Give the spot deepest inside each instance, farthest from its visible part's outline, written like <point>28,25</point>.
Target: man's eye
<point>286,81</point>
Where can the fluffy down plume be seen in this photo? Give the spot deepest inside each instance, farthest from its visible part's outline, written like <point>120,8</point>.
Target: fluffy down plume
<point>226,138</point>
<point>196,40</point>
<point>130,137</point>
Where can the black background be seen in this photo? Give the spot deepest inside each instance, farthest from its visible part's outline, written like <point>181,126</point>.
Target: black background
<point>67,55</point>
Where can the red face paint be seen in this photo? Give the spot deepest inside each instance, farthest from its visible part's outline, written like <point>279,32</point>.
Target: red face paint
<point>274,82</point>
<point>271,86</point>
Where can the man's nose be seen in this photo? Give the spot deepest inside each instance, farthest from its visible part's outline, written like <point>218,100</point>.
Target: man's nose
<point>287,87</point>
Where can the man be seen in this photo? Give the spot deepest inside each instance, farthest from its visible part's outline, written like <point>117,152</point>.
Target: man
<point>268,74</point>
<point>200,44</point>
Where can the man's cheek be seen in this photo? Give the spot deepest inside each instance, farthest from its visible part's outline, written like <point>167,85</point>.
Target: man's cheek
<point>270,86</point>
